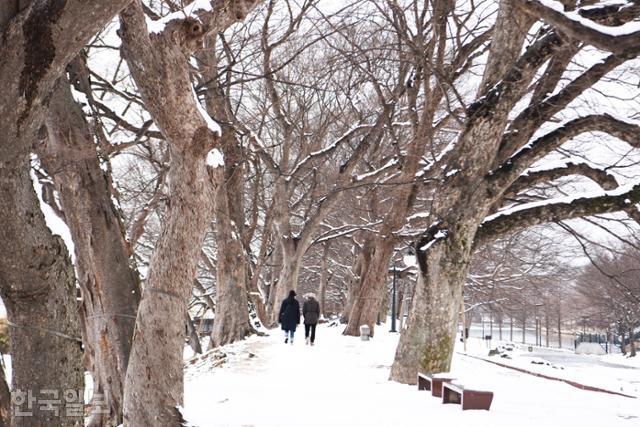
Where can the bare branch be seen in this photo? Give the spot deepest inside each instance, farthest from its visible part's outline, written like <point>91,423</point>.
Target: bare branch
<point>611,39</point>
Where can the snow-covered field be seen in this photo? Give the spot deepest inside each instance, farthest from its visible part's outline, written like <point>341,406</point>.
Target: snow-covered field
<point>343,381</point>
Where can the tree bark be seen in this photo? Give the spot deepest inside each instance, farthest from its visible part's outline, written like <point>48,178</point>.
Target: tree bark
<point>288,277</point>
<point>427,342</point>
<point>36,280</point>
<point>368,301</point>
<point>108,281</point>
<point>231,321</point>
<point>171,273</point>
<point>38,289</point>
<point>159,65</point>
<point>359,268</point>
<point>325,274</point>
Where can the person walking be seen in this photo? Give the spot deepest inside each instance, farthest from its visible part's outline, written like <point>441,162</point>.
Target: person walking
<point>311,313</point>
<point>289,316</point>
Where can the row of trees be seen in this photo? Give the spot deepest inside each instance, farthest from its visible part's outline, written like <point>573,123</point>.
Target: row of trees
<point>188,156</point>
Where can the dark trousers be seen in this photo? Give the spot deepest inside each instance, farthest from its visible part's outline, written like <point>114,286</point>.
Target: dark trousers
<point>311,328</point>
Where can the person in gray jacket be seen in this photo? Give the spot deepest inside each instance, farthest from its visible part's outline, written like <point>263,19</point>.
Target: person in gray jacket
<point>311,313</point>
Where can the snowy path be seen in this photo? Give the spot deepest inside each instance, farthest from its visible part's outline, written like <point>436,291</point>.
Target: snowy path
<point>342,381</point>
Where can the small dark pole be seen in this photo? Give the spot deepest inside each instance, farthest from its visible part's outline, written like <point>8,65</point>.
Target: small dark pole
<point>393,301</point>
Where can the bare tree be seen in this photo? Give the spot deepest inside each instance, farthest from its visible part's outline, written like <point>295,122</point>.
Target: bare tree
<point>498,143</point>
<point>108,280</point>
<point>158,60</point>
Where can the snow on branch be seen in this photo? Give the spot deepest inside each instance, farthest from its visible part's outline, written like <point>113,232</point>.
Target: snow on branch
<point>536,150</point>
<point>216,15</point>
<point>366,176</point>
<point>559,169</point>
<point>329,149</point>
<point>346,230</point>
<point>536,213</point>
<point>621,39</point>
<point>535,115</point>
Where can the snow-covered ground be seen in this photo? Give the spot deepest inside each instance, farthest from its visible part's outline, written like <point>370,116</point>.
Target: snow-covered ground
<point>611,372</point>
<point>343,381</point>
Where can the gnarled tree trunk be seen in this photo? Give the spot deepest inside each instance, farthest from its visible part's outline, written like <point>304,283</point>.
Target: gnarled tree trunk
<point>108,280</point>
<point>37,283</point>
<point>38,289</point>
<point>372,288</point>
<point>154,380</point>
<point>159,65</point>
<point>231,322</point>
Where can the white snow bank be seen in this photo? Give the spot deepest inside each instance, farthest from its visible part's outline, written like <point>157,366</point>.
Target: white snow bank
<point>343,381</point>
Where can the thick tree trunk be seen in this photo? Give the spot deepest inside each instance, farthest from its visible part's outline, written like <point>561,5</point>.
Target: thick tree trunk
<point>154,380</point>
<point>427,342</point>
<point>38,289</point>
<point>108,281</point>
<point>231,321</point>
<point>359,267</point>
<point>5,399</point>
<point>159,65</point>
<point>288,278</point>
<point>462,202</point>
<point>369,299</point>
<point>36,279</point>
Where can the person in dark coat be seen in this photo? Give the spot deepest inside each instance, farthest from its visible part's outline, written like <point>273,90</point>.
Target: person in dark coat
<point>311,313</point>
<point>289,317</point>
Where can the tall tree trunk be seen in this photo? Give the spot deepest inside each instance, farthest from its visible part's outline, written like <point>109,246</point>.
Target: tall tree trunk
<point>108,281</point>
<point>426,344</point>
<point>40,296</point>
<point>5,398</point>
<point>154,380</point>
<point>444,250</point>
<point>231,321</point>
<point>325,274</point>
<point>37,282</point>
<point>288,279</point>
<point>368,301</point>
<point>159,65</point>
<point>360,266</point>
<point>233,284</point>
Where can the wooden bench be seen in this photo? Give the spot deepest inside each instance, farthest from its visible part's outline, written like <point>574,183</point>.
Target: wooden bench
<point>433,382</point>
<point>465,396</point>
